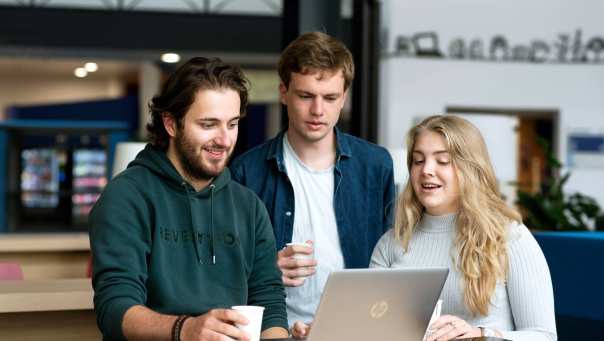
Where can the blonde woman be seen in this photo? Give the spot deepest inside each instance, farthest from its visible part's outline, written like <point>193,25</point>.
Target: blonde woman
<point>451,214</point>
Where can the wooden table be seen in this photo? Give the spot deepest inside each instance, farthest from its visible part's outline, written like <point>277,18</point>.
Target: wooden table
<point>54,309</point>
<point>47,255</point>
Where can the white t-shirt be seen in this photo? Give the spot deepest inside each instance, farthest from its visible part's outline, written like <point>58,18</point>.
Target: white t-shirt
<point>315,220</point>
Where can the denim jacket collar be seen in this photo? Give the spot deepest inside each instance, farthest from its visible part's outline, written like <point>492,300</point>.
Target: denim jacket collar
<point>275,150</point>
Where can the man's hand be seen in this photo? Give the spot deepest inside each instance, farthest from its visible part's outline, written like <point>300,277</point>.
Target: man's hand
<point>215,325</point>
<point>294,268</point>
<point>300,330</point>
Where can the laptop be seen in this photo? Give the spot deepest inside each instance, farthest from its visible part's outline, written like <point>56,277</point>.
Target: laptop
<point>377,304</point>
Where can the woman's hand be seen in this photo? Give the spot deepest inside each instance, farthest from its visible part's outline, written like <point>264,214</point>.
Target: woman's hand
<point>448,327</point>
<point>300,330</point>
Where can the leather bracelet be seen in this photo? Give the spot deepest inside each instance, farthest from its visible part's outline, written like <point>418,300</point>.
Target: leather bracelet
<point>177,327</point>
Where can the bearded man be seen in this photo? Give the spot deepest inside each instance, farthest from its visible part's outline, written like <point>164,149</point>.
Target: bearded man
<point>175,242</point>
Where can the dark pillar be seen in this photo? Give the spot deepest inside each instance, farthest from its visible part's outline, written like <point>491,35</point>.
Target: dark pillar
<point>365,49</point>
<point>300,16</point>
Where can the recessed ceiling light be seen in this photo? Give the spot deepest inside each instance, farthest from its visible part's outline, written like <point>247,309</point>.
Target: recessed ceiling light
<point>91,67</point>
<point>80,72</point>
<point>170,57</point>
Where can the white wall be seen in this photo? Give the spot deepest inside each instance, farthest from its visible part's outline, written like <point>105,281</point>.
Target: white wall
<point>412,86</point>
<point>149,84</point>
<point>32,91</point>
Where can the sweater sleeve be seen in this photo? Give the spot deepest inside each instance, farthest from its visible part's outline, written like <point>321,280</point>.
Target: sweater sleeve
<point>383,251</point>
<point>529,289</point>
<point>265,287</point>
<point>119,242</point>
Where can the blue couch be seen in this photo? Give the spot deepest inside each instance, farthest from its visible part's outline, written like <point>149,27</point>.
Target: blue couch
<point>575,262</point>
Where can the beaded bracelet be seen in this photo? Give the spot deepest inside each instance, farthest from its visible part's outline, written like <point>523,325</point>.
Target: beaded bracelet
<point>177,327</point>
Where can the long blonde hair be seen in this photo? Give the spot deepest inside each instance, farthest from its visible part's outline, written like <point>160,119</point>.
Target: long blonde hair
<point>483,217</point>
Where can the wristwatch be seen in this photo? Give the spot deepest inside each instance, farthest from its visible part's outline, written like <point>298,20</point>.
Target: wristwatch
<point>486,331</point>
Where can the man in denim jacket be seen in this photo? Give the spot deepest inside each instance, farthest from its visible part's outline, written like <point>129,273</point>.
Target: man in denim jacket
<point>325,190</point>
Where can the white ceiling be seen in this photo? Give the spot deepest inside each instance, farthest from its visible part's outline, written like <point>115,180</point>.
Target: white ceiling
<point>63,68</point>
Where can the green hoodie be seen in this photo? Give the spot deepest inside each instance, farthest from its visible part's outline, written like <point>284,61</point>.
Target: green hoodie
<point>157,242</point>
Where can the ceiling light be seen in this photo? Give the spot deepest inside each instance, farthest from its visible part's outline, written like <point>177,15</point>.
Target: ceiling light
<point>80,72</point>
<point>170,57</point>
<point>91,67</point>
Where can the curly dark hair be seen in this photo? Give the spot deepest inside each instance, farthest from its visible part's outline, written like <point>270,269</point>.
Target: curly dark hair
<point>178,93</point>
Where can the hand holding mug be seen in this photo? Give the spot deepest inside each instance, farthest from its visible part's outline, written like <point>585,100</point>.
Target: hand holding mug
<point>296,263</point>
<point>253,314</point>
<point>216,324</point>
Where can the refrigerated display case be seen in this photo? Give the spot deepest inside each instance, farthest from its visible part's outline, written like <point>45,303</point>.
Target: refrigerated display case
<point>52,172</point>
<point>40,177</point>
<point>89,179</point>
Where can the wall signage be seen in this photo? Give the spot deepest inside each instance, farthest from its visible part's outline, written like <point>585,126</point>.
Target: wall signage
<point>565,48</point>
<point>586,150</point>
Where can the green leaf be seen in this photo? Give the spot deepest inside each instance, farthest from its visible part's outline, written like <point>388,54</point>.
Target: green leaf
<point>550,208</point>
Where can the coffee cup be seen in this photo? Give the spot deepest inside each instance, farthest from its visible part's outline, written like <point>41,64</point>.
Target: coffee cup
<point>298,255</point>
<point>254,316</point>
<point>434,317</point>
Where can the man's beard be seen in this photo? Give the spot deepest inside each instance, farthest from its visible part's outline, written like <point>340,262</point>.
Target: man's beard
<point>193,164</point>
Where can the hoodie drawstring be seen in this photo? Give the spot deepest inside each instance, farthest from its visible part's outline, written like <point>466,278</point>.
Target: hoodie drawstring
<point>212,186</point>
<point>193,223</point>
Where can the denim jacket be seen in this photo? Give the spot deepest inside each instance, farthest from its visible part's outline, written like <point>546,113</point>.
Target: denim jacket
<point>363,197</point>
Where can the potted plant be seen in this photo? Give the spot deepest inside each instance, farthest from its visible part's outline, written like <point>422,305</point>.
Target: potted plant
<point>552,208</point>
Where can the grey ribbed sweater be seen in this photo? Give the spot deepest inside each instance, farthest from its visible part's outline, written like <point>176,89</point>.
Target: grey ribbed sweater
<point>522,308</point>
